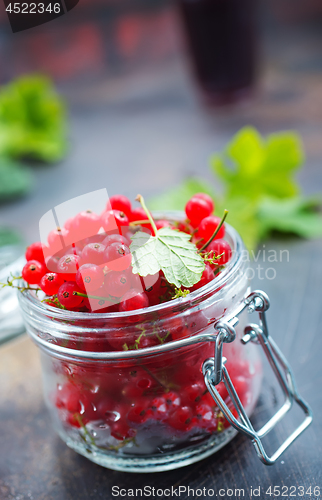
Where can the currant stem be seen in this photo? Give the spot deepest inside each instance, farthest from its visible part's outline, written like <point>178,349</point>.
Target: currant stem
<point>165,387</point>
<point>116,447</point>
<point>139,222</point>
<point>13,278</point>
<point>141,200</point>
<point>81,423</point>
<point>215,232</point>
<point>19,287</point>
<point>92,296</point>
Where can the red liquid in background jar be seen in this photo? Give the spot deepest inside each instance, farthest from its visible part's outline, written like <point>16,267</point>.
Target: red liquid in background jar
<point>221,38</point>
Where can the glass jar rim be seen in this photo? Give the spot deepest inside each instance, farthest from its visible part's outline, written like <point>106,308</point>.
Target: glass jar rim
<point>189,300</point>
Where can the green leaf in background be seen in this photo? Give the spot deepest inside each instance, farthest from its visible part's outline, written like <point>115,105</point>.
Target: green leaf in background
<point>32,120</point>
<point>293,215</point>
<point>176,198</point>
<point>242,216</point>
<point>15,180</point>
<point>260,189</point>
<point>252,167</point>
<point>169,251</point>
<point>8,237</point>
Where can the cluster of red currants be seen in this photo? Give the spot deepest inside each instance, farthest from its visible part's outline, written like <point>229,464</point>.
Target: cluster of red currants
<point>126,400</point>
<point>94,274</point>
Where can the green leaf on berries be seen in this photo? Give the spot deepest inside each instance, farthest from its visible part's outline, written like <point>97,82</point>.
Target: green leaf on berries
<point>169,251</point>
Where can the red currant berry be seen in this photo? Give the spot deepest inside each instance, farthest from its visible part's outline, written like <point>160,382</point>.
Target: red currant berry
<point>57,239</point>
<point>67,295</point>
<point>120,430</point>
<point>172,400</point>
<point>196,210</point>
<point>151,281</point>
<point>107,410</point>
<point>35,252</point>
<point>158,407</point>
<point>218,247</point>
<point>136,282</point>
<point>86,305</point>
<point>138,413</point>
<point>207,199</point>
<point>101,305</point>
<point>96,238</point>
<point>116,340</point>
<point>89,277</point>
<point>208,226</point>
<point>111,217</point>
<point>181,418</point>
<point>238,367</point>
<point>184,227</point>
<point>50,283</point>
<point>117,283</point>
<point>93,253</point>
<point>147,341</point>
<point>85,224</point>
<point>117,257</point>
<point>74,420</point>
<point>206,277</point>
<point>52,262</point>
<point>74,250</point>
<point>68,397</point>
<point>136,387</point>
<point>115,238</point>
<point>132,300</point>
<point>33,271</point>
<point>121,219</point>
<point>68,266</point>
<point>221,388</point>
<point>69,223</point>
<point>138,214</point>
<point>162,223</point>
<point>121,203</point>
<point>128,235</point>
<point>175,325</point>
<point>205,416</point>
<point>192,394</point>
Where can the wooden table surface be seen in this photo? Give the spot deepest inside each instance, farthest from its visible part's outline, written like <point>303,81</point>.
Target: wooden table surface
<point>145,143</point>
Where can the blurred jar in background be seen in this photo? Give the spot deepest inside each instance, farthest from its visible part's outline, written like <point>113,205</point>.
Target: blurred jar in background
<point>222,42</point>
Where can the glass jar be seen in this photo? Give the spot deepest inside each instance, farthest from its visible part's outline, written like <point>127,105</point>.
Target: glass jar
<point>126,389</point>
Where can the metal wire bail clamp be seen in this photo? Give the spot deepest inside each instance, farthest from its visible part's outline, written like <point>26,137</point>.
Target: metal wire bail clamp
<point>214,371</point>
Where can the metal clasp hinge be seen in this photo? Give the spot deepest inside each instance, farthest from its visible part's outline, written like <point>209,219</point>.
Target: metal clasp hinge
<point>214,371</point>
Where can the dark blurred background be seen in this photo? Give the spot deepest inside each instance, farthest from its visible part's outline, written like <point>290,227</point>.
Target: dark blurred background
<point>109,38</point>
<point>136,118</point>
